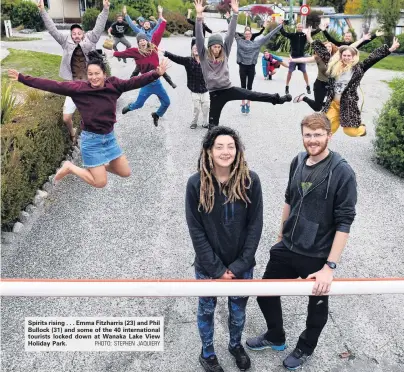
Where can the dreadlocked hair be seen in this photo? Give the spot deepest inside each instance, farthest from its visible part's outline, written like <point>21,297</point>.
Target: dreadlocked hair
<point>151,48</point>
<point>239,180</point>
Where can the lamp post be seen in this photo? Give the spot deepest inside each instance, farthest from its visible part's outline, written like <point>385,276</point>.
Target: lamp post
<point>291,21</point>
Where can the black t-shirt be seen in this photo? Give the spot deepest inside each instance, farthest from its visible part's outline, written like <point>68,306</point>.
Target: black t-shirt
<point>118,29</point>
<point>310,173</point>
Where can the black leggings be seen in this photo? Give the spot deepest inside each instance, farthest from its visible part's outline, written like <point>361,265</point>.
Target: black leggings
<point>320,92</point>
<point>219,98</point>
<point>247,74</point>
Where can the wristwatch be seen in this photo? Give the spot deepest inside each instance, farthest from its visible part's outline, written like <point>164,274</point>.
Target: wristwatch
<point>331,265</point>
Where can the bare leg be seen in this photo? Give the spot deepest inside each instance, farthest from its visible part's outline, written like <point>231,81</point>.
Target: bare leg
<point>96,176</point>
<point>68,120</point>
<point>119,166</point>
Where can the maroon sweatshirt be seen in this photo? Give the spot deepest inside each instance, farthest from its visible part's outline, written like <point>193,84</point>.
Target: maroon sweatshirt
<point>97,106</point>
<point>149,62</point>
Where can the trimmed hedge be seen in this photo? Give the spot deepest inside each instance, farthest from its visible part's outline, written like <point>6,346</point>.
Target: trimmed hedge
<point>32,148</point>
<point>26,13</point>
<point>176,22</point>
<point>89,18</point>
<point>389,143</point>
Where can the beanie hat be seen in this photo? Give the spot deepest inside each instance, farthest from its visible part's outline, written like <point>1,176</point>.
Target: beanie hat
<point>215,39</point>
<point>140,19</point>
<point>141,36</point>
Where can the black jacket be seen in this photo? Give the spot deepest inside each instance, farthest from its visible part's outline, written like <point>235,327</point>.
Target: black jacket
<point>341,43</point>
<point>298,41</point>
<point>228,237</point>
<point>329,206</point>
<point>205,28</point>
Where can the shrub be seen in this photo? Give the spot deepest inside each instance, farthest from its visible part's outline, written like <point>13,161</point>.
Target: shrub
<point>389,143</point>
<point>176,23</point>
<point>370,47</point>
<point>241,19</point>
<point>26,13</point>
<point>9,105</point>
<point>90,18</point>
<point>32,148</point>
<point>145,7</point>
<point>401,41</point>
<point>8,5</point>
<point>166,34</point>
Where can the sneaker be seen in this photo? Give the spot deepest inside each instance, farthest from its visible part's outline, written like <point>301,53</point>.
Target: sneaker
<point>261,343</point>
<point>243,109</point>
<point>210,364</point>
<point>308,89</point>
<point>193,125</point>
<point>124,60</point>
<point>173,85</point>
<point>247,109</point>
<point>155,119</point>
<point>295,360</point>
<point>206,125</point>
<point>119,60</point>
<point>286,90</point>
<point>269,77</point>
<point>242,359</point>
<point>286,98</point>
<point>125,110</point>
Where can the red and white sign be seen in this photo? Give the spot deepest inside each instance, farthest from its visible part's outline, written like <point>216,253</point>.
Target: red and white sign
<point>304,10</point>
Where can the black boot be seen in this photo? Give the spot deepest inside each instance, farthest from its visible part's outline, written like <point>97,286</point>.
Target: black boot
<point>168,80</point>
<point>136,72</point>
<point>155,119</point>
<point>286,98</point>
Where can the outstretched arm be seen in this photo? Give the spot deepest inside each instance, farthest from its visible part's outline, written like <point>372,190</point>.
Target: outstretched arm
<point>177,59</point>
<point>64,88</point>
<point>379,53</point>
<point>127,53</point>
<point>50,26</point>
<point>268,36</point>
<point>320,49</point>
<point>285,33</point>
<point>303,60</point>
<point>136,29</point>
<point>99,27</point>
<point>330,38</point>
<point>199,38</point>
<point>140,81</point>
<point>228,41</point>
<point>157,36</point>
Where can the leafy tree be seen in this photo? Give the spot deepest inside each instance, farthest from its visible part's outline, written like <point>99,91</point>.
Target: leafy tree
<point>262,11</point>
<point>353,7</point>
<point>224,6</point>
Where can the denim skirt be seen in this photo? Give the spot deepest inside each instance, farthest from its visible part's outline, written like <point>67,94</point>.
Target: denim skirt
<point>98,149</point>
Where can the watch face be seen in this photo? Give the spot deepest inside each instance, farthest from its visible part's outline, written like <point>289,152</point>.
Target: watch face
<point>332,265</point>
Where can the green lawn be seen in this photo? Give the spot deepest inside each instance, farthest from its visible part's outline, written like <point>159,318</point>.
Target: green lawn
<point>19,38</point>
<point>393,63</point>
<point>31,63</point>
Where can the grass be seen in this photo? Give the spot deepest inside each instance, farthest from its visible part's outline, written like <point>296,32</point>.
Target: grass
<point>31,63</point>
<point>19,38</point>
<point>392,63</point>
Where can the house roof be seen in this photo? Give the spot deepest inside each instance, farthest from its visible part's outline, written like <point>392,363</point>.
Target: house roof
<point>296,9</point>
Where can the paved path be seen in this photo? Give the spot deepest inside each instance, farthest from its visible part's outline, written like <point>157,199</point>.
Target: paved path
<point>135,228</point>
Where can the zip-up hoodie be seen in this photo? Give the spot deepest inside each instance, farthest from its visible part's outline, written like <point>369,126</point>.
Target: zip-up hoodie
<point>327,207</point>
<point>227,237</point>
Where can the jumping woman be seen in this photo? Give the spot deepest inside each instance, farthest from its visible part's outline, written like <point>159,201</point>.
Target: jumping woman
<point>214,63</point>
<point>224,214</point>
<point>147,58</point>
<point>247,57</point>
<point>345,74</point>
<point>96,102</point>
<point>321,84</point>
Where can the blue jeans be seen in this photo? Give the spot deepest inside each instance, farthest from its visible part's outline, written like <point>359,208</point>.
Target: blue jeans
<point>153,88</point>
<point>206,313</point>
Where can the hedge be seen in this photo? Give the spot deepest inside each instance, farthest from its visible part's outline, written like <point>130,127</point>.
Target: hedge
<point>32,148</point>
<point>26,13</point>
<point>389,143</point>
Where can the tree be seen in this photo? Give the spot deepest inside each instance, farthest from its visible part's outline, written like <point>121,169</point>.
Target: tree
<point>388,15</point>
<point>261,11</point>
<point>337,4</point>
<point>313,19</point>
<point>353,7</point>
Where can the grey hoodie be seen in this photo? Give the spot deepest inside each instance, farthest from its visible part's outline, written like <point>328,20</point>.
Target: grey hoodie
<point>327,207</point>
<point>248,51</point>
<point>216,74</point>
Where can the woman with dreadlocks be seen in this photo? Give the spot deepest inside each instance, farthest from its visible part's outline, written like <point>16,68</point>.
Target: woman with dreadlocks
<point>215,68</point>
<point>147,59</point>
<point>224,215</point>
<point>345,73</point>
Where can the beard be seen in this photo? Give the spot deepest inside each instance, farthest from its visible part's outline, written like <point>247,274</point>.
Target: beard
<point>320,147</point>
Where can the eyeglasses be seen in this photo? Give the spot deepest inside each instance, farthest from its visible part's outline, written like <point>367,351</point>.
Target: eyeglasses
<point>308,136</point>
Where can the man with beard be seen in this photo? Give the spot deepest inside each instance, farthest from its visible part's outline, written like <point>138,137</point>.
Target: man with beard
<point>319,209</point>
<point>117,30</point>
<point>76,48</point>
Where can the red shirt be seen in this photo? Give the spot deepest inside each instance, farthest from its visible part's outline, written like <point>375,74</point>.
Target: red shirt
<point>97,106</point>
<point>149,62</point>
